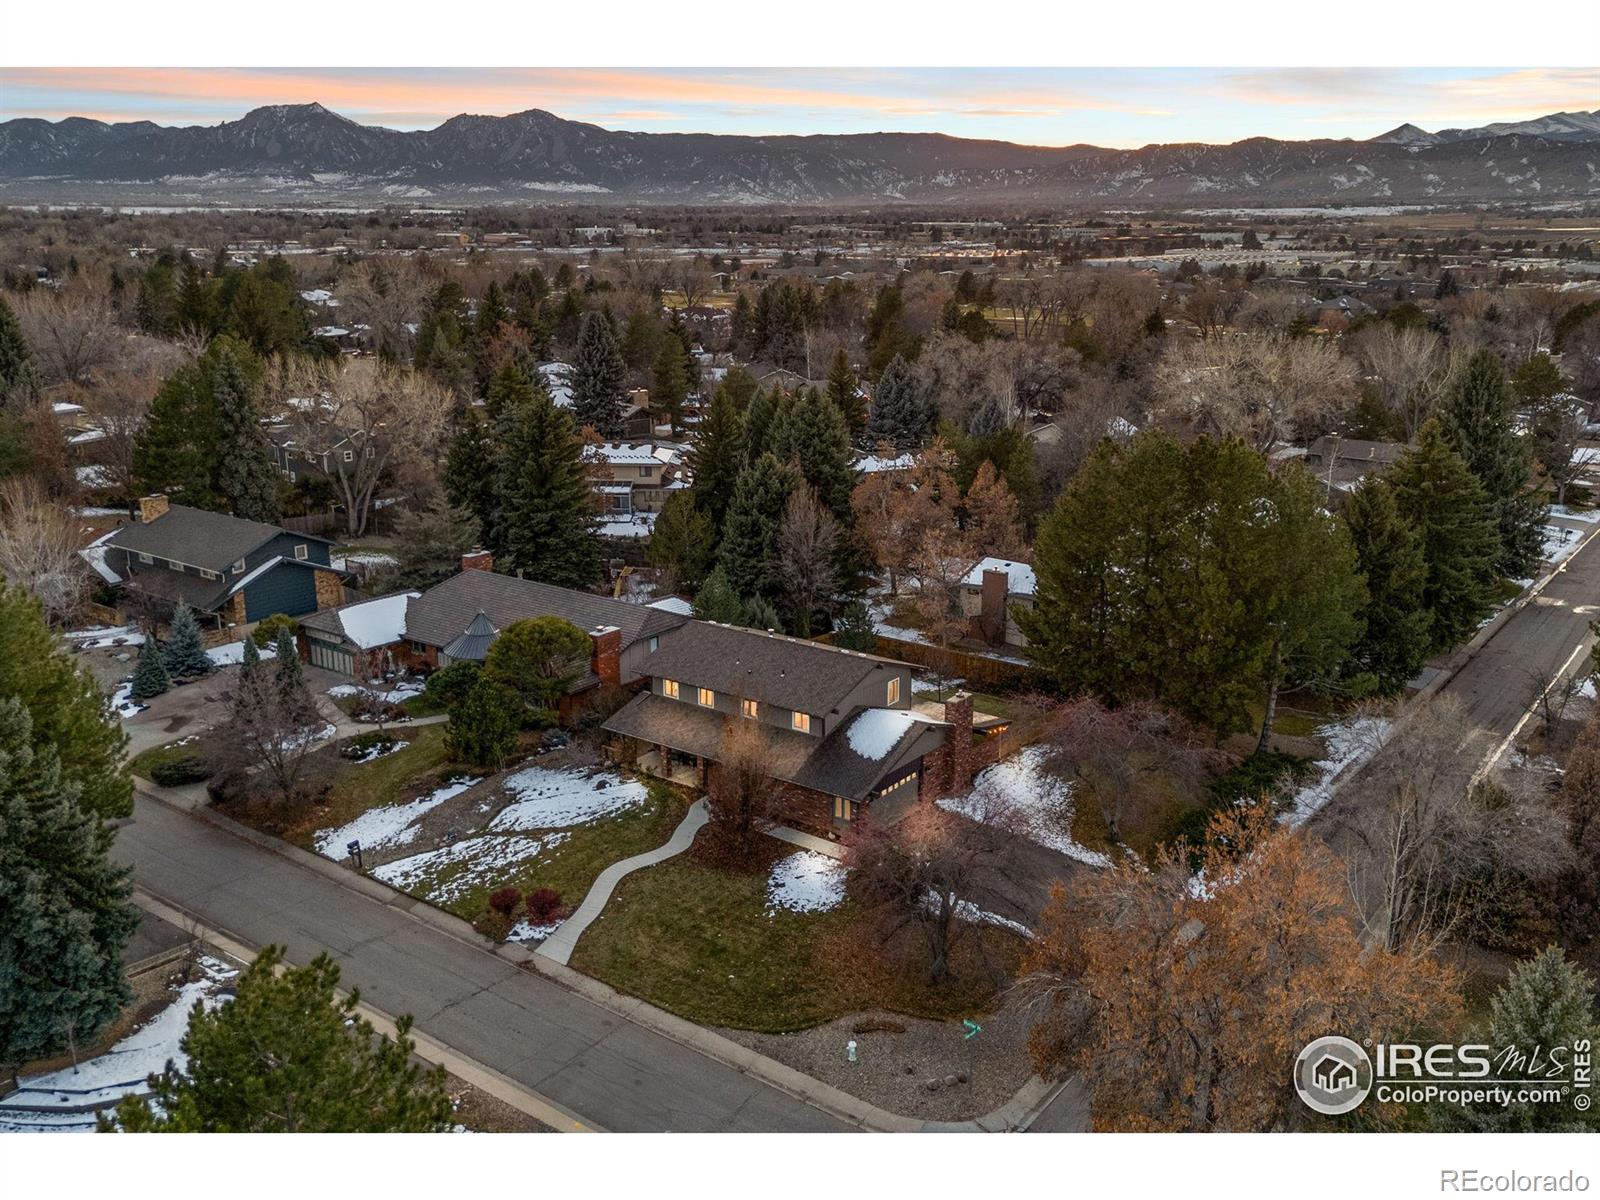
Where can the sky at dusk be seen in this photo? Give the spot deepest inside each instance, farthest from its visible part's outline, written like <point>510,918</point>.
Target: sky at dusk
<point>1109,107</point>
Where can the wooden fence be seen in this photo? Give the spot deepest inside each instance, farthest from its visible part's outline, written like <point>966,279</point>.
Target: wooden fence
<point>975,669</point>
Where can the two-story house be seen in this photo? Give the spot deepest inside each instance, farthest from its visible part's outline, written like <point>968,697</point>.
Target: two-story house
<point>839,730</point>
<point>634,477</point>
<point>232,570</point>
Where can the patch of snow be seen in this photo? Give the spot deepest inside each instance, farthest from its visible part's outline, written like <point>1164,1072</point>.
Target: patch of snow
<point>932,687</point>
<point>232,654</point>
<point>363,558</point>
<point>450,872</point>
<point>100,637</point>
<point>640,525</point>
<point>1587,515</point>
<point>969,912</point>
<point>379,750</point>
<point>526,931</point>
<point>390,824</point>
<point>123,703</point>
<point>876,731</point>
<point>806,882</point>
<point>401,691</point>
<point>552,799</point>
<point>1019,789</point>
<point>1348,743</point>
<point>1559,543</point>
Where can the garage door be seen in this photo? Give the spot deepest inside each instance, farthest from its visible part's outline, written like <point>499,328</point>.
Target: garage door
<point>331,657</point>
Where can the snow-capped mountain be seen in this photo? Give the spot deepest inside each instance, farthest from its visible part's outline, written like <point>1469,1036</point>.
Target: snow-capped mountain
<point>306,154</point>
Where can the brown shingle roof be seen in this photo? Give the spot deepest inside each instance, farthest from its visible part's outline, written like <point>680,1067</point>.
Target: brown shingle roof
<point>443,612</point>
<point>197,537</point>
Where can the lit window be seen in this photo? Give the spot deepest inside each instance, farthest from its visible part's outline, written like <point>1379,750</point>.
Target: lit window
<point>843,809</point>
<point>801,721</point>
<point>894,691</point>
<point>749,707</point>
<point>708,698</point>
<point>669,688</point>
<point>300,550</point>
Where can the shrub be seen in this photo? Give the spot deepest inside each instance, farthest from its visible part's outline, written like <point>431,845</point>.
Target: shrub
<point>364,744</point>
<point>544,905</point>
<point>191,769</point>
<point>266,632</point>
<point>1265,775</point>
<point>505,900</point>
<point>449,685</point>
<point>483,725</point>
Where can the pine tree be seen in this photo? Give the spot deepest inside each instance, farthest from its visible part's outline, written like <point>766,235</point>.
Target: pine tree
<point>289,1055</point>
<point>287,675</point>
<point>717,601</point>
<point>64,912</point>
<point>750,537</point>
<point>1444,502</point>
<point>902,414</point>
<point>682,541</point>
<point>761,613</point>
<point>469,472</point>
<point>598,378</point>
<point>245,477</point>
<point>844,389</point>
<point>1479,420</point>
<point>758,417</point>
<point>483,724</point>
<point>176,451</point>
<point>854,630</point>
<point>15,356</point>
<point>150,675</point>
<point>669,385</point>
<point>66,708</point>
<point>1537,381</point>
<point>249,658</point>
<point>1548,1002</point>
<point>810,433</point>
<point>1389,555</point>
<point>716,457</point>
<point>545,518</point>
<point>184,656</point>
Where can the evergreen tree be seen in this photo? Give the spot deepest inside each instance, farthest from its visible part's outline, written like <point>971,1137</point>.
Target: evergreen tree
<point>1479,420</point>
<point>598,378</point>
<point>761,613</point>
<point>64,912</point>
<point>669,385</point>
<point>1537,381</point>
<point>150,675</point>
<point>844,389</point>
<point>469,472</point>
<point>249,658</point>
<point>545,518</point>
<point>245,477</point>
<point>484,723</point>
<point>682,541</point>
<point>433,539</point>
<point>716,456</point>
<point>15,356</point>
<point>1389,555</point>
<point>290,679</point>
<point>176,451</point>
<point>1444,502</point>
<point>66,709</point>
<point>758,417</point>
<point>288,1055</point>
<point>810,433</point>
<point>717,601</point>
<point>1548,1002</point>
<point>750,536</point>
<point>183,656</point>
<point>854,630</point>
<point>539,658</point>
<point>902,413</point>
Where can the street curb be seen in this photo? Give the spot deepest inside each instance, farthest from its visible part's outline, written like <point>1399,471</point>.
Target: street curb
<point>820,1095</point>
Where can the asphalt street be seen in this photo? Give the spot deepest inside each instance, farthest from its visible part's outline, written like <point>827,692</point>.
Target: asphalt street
<point>583,1057</point>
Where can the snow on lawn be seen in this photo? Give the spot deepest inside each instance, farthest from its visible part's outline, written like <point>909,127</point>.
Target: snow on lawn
<point>379,750</point>
<point>364,558</point>
<point>450,872</point>
<point>932,687</point>
<point>969,912</point>
<point>120,1071</point>
<point>551,799</point>
<point>876,731</point>
<point>1559,543</point>
<point>1040,802</point>
<point>401,691</point>
<point>805,882</point>
<point>1348,742</point>
<point>1587,515</point>
<point>123,703</point>
<point>390,824</point>
<point>526,931</point>
<point>100,637</point>
<point>232,654</point>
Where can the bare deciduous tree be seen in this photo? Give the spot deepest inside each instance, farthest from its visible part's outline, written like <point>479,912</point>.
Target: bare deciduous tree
<point>1409,366</point>
<point>71,332</point>
<point>388,296</point>
<point>808,546</point>
<point>39,541</point>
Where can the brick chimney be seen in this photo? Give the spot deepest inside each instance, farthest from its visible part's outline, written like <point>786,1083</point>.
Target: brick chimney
<point>605,660</point>
<point>958,740</point>
<point>477,560</point>
<point>992,605</point>
<point>152,508</point>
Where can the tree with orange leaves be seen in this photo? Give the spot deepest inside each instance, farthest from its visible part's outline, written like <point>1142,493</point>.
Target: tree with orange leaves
<point>1182,997</point>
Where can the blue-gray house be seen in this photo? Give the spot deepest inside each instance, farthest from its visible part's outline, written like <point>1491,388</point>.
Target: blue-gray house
<point>237,571</point>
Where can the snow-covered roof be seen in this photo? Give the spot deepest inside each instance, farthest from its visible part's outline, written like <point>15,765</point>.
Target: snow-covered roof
<point>62,407</point>
<point>316,296</point>
<point>872,463</point>
<point>558,379</point>
<point>95,555</point>
<point>674,604</point>
<point>874,732</point>
<point>330,331</point>
<point>1020,580</point>
<point>377,622</point>
<point>636,453</point>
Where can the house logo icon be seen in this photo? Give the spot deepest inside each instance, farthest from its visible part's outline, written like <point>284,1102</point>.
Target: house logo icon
<point>1333,1075</point>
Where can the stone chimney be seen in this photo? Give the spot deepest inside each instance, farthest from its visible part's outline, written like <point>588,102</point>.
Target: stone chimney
<point>958,740</point>
<point>152,508</point>
<point>605,659</point>
<point>992,605</point>
<point>477,560</point>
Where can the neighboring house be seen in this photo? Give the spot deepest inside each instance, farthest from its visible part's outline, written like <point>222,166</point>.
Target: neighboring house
<point>296,464</point>
<point>232,570</point>
<point>458,620</point>
<point>634,477</point>
<point>1341,463</point>
<point>990,593</point>
<point>840,732</point>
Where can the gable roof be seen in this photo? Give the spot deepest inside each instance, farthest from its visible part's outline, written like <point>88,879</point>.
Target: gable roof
<point>789,672</point>
<point>443,612</point>
<point>199,538</point>
<point>1020,579</point>
<point>365,624</point>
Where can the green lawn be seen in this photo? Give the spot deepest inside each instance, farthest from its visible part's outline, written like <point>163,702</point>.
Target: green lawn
<point>358,787</point>
<point>983,702</point>
<point>696,940</point>
<point>146,761</point>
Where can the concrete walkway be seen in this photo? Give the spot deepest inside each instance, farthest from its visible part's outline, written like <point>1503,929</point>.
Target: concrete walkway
<point>559,945</point>
<point>805,841</point>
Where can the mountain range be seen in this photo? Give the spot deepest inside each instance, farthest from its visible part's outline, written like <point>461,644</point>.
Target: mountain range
<point>306,154</point>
